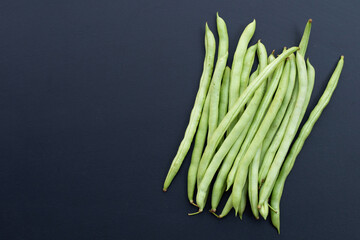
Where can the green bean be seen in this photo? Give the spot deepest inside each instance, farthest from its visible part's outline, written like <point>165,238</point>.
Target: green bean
<point>253,183</point>
<point>241,173</point>
<point>291,129</point>
<point>305,38</point>
<point>270,59</point>
<point>214,94</point>
<point>223,36</point>
<point>264,211</point>
<point>224,94</point>
<point>258,116</point>
<point>234,111</point>
<point>196,111</point>
<point>247,66</point>
<point>227,208</point>
<point>304,133</point>
<point>282,118</point>
<point>237,64</point>
<point>198,148</point>
<point>243,200</point>
<point>219,184</point>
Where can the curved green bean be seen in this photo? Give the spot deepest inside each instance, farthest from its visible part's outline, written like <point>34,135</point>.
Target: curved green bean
<point>219,184</point>
<point>264,210</point>
<point>291,129</point>
<point>242,171</point>
<point>304,133</point>
<point>196,111</point>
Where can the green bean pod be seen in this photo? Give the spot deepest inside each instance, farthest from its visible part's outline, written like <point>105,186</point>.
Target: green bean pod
<point>219,184</point>
<point>264,211</point>
<point>247,66</point>
<point>196,111</point>
<point>298,144</point>
<point>224,94</point>
<point>305,38</point>
<point>253,183</point>
<point>234,111</point>
<point>198,148</point>
<point>237,64</point>
<point>243,200</point>
<point>291,129</point>
<point>242,171</point>
<point>223,36</point>
<point>215,94</point>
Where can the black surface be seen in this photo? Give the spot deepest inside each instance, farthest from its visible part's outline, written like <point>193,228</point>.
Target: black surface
<point>95,97</point>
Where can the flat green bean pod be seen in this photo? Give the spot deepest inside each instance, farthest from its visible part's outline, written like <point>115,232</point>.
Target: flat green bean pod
<point>253,183</point>
<point>298,144</point>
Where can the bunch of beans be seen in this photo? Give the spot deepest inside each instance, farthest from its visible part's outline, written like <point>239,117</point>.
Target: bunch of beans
<point>243,124</point>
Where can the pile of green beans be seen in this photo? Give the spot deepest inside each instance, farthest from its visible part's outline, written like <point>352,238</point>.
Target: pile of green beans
<point>244,124</point>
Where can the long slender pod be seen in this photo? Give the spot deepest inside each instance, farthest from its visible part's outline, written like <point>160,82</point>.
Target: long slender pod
<point>198,148</point>
<point>298,144</point>
<point>291,129</point>
<point>224,94</point>
<point>243,200</point>
<point>247,66</point>
<point>253,184</point>
<point>237,64</point>
<point>196,111</point>
<point>305,38</point>
<point>215,94</point>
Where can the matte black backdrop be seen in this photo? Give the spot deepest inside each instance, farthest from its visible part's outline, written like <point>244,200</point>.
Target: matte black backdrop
<point>95,97</point>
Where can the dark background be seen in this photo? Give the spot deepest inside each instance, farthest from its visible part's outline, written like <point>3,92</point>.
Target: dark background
<point>95,97</point>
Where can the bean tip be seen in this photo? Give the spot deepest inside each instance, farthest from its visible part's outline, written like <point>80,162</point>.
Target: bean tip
<point>213,210</point>
<point>273,51</point>
<point>164,189</point>
<point>342,56</point>
<point>310,20</point>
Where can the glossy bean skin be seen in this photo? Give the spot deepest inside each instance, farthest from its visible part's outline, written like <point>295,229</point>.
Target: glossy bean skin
<point>290,132</point>
<point>305,38</point>
<point>196,111</point>
<point>304,133</point>
<point>219,184</point>
<point>242,171</point>
<point>234,111</point>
